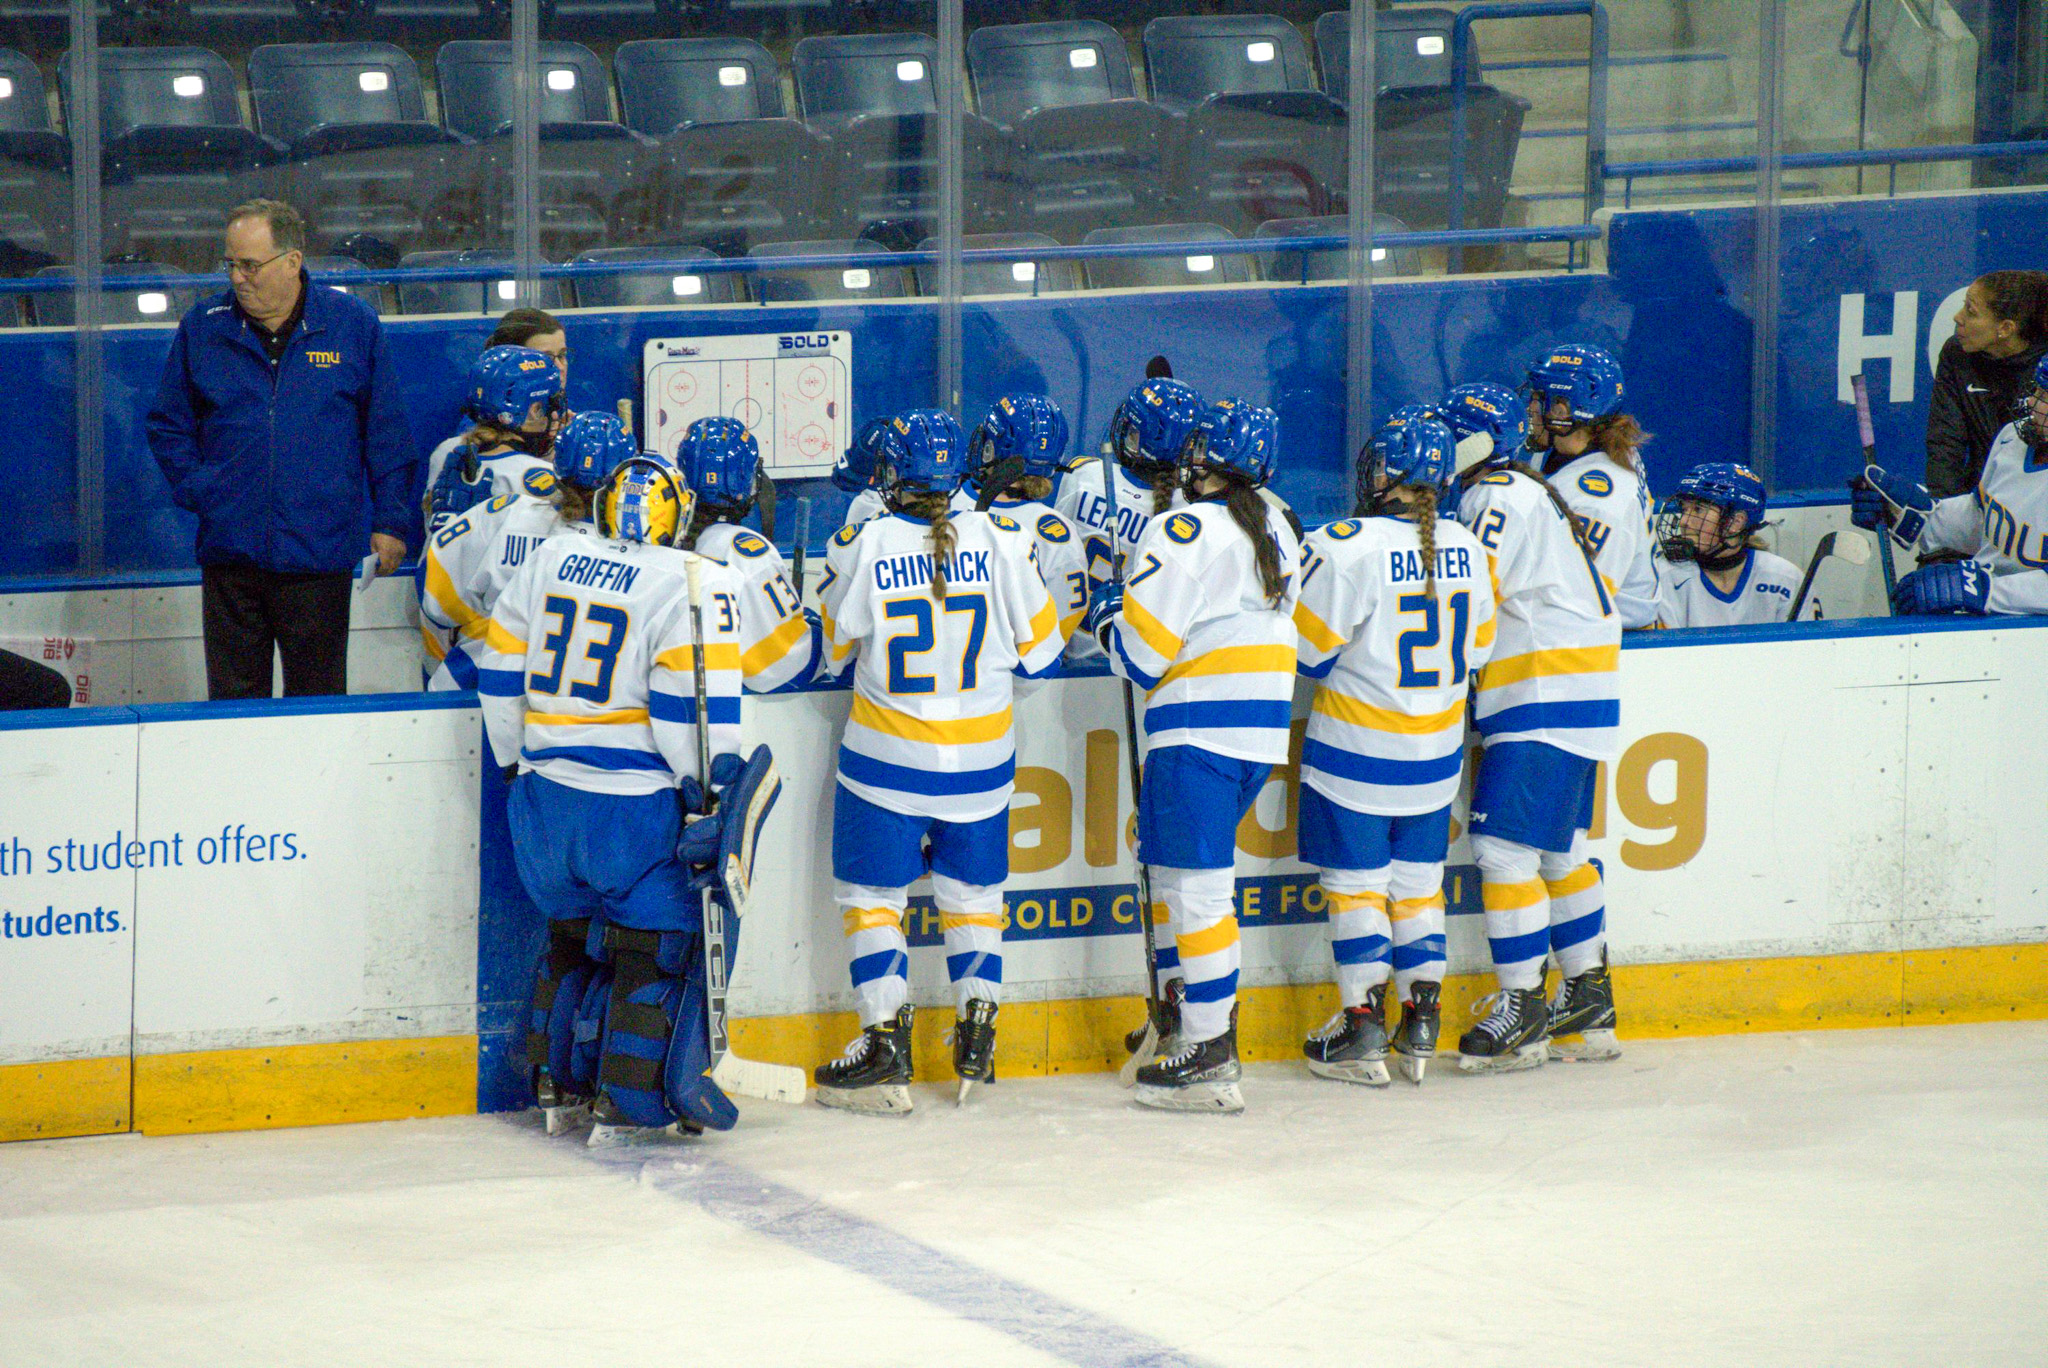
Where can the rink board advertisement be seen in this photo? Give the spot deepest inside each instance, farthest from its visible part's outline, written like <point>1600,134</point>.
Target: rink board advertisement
<point>273,914</point>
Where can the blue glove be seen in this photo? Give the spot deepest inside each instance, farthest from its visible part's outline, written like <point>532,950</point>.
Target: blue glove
<point>1882,499</point>
<point>1963,587</point>
<point>724,769</point>
<point>1105,604</point>
<point>463,484</point>
<point>1866,505</point>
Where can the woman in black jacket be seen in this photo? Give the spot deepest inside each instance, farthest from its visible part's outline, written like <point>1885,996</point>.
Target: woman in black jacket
<point>2001,331</point>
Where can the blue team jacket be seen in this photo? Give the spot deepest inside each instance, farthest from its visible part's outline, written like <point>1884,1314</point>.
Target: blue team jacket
<point>289,468</point>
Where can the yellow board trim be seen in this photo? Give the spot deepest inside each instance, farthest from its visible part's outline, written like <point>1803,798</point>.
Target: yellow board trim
<point>1344,708</point>
<point>60,1097</point>
<point>958,731</point>
<point>305,1085</point>
<point>1232,660</point>
<point>623,717</point>
<point>1564,660</point>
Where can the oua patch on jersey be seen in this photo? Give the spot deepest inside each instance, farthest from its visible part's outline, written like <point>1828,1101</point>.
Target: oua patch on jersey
<point>1182,528</point>
<point>1597,483</point>
<point>1344,531</point>
<point>1052,529</point>
<point>748,544</point>
<point>539,483</point>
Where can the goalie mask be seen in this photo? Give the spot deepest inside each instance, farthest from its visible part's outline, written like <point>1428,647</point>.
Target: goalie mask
<point>1701,523</point>
<point>645,501</point>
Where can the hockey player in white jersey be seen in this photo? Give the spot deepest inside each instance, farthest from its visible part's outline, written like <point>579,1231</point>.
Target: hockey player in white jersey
<point>1396,613</point>
<point>1204,624</point>
<point>855,472</point>
<point>1591,452</point>
<point>1019,446</point>
<point>933,610</point>
<point>470,559</point>
<point>514,401</point>
<point>1146,435</point>
<point>721,463</point>
<point>588,686</point>
<point>1717,575</point>
<point>2003,524</point>
<point>1547,710</point>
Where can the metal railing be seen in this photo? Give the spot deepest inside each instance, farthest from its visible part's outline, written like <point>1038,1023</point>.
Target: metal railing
<point>1893,158</point>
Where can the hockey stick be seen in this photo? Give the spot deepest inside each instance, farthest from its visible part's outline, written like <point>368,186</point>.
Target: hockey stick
<point>1867,435</point>
<point>803,544</point>
<point>748,1077</point>
<point>1848,547</point>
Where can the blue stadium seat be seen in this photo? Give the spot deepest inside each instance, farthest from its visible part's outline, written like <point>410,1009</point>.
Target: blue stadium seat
<point>1249,158</point>
<point>886,182</point>
<point>1188,59</point>
<point>840,78</point>
<point>1413,48</point>
<point>476,87</point>
<point>377,297</point>
<point>1021,67</point>
<point>333,97</point>
<point>731,186</point>
<point>1003,277</point>
<point>156,297</point>
<point>665,83</point>
<point>1193,267</point>
<point>1412,149</point>
<point>35,173</point>
<point>1083,167</point>
<point>675,284</point>
<point>1332,263</point>
<point>469,296</point>
<point>828,282</point>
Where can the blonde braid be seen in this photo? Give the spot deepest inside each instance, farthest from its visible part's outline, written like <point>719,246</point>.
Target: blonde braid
<point>936,509</point>
<point>1422,503</point>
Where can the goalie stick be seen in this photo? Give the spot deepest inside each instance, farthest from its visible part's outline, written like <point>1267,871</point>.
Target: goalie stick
<point>1867,435</point>
<point>1847,546</point>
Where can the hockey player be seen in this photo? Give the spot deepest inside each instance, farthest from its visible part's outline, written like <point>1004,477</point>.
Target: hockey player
<point>514,401</point>
<point>2003,525</point>
<point>855,472</point>
<point>472,557</point>
<point>1396,612</point>
<point>1021,443</point>
<point>1204,624</point>
<point>933,609</point>
<point>588,685</point>
<point>721,463</point>
<point>1591,454</point>
<point>1711,524</point>
<point>1146,435</point>
<point>1547,711</point>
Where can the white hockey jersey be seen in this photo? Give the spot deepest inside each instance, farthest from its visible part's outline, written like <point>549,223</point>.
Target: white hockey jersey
<point>508,469</point>
<point>781,646</point>
<point>1082,499</point>
<point>468,564</point>
<point>1615,503</point>
<point>1386,733</point>
<point>2004,525</point>
<point>930,730</point>
<point>1762,593</point>
<point>1198,634</point>
<point>1555,672</point>
<point>588,671</point>
<point>865,506</point>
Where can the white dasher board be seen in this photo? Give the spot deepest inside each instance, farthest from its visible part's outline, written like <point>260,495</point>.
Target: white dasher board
<point>793,390</point>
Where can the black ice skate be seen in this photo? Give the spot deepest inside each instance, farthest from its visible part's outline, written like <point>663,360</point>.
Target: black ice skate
<point>1415,1037</point>
<point>1582,1018</point>
<point>1514,1035</point>
<point>1351,1046</point>
<point>874,1074</point>
<point>563,1110</point>
<point>1156,1037</point>
<point>1201,1076</point>
<point>974,1045</point>
<point>610,1130</point>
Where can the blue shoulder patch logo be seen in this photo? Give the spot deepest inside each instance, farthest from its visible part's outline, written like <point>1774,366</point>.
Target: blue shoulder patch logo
<point>1054,529</point>
<point>845,535</point>
<point>1008,524</point>
<point>1344,531</point>
<point>749,544</point>
<point>539,483</point>
<point>1182,528</point>
<point>501,503</point>
<point>1597,483</point>
<point>1498,477</point>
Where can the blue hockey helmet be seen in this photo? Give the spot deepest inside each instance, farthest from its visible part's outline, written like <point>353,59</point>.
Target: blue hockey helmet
<point>1407,451</point>
<point>590,448</point>
<point>2032,408</point>
<point>925,453</point>
<point>506,382</point>
<point>855,470</point>
<point>1234,438</point>
<point>1025,427</point>
<point>1587,378</point>
<point>1718,484</point>
<point>1152,424</point>
<point>645,500</point>
<point>1483,407</point>
<point>721,462</point>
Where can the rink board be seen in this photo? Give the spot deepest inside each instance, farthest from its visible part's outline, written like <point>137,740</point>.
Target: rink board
<point>290,913</point>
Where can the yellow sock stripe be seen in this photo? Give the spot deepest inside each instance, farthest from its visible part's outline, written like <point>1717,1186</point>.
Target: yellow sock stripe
<point>1503,897</point>
<point>1351,902</point>
<point>1406,908</point>
<point>868,918</point>
<point>1221,936</point>
<point>949,921</point>
<point>1160,915</point>
<point>1578,881</point>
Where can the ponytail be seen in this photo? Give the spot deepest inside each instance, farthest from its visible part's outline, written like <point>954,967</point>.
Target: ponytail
<point>1248,511</point>
<point>935,509</point>
<point>573,505</point>
<point>2020,297</point>
<point>1621,437</point>
<point>1422,503</point>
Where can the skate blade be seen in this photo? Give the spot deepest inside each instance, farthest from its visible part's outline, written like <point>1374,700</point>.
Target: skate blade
<point>1221,1098</point>
<point>562,1120</point>
<point>1413,1067</point>
<point>1370,1073</point>
<point>1529,1056</point>
<point>603,1136</point>
<point>1588,1047</point>
<point>1147,1051</point>
<point>883,1099</point>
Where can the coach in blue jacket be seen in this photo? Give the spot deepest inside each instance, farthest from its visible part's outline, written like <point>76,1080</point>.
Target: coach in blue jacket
<point>278,422</point>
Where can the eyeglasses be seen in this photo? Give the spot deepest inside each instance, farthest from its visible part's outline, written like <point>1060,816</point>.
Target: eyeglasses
<point>245,268</point>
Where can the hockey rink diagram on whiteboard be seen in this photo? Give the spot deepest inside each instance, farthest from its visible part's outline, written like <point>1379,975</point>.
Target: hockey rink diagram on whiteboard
<point>792,390</point>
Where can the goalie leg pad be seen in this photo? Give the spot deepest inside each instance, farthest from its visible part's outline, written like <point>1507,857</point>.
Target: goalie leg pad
<point>561,975</point>
<point>655,1053</point>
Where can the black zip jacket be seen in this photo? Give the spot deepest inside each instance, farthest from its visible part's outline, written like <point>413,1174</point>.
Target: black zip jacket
<point>1973,398</point>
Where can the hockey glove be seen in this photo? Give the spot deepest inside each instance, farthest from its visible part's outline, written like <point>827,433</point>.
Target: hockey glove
<point>463,484</point>
<point>1962,587</point>
<point>1880,499</point>
<point>1107,602</point>
<point>724,769</point>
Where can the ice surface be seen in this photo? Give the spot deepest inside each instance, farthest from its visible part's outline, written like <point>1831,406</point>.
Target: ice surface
<point>1844,1198</point>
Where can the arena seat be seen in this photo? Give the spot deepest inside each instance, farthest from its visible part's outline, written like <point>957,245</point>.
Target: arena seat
<point>1412,148</point>
<point>1188,59</point>
<point>1277,154</point>
<point>157,296</point>
<point>320,97</point>
<point>1165,272</point>
<point>478,101</point>
<point>665,83</point>
<point>1003,277</point>
<point>35,173</point>
<point>1333,263</point>
<point>828,282</point>
<point>1021,67</point>
<point>469,296</point>
<point>842,77</point>
<point>730,186</point>
<point>1083,167</point>
<point>377,297</point>
<point>1412,48</point>
<point>672,286</point>
<point>886,178</point>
